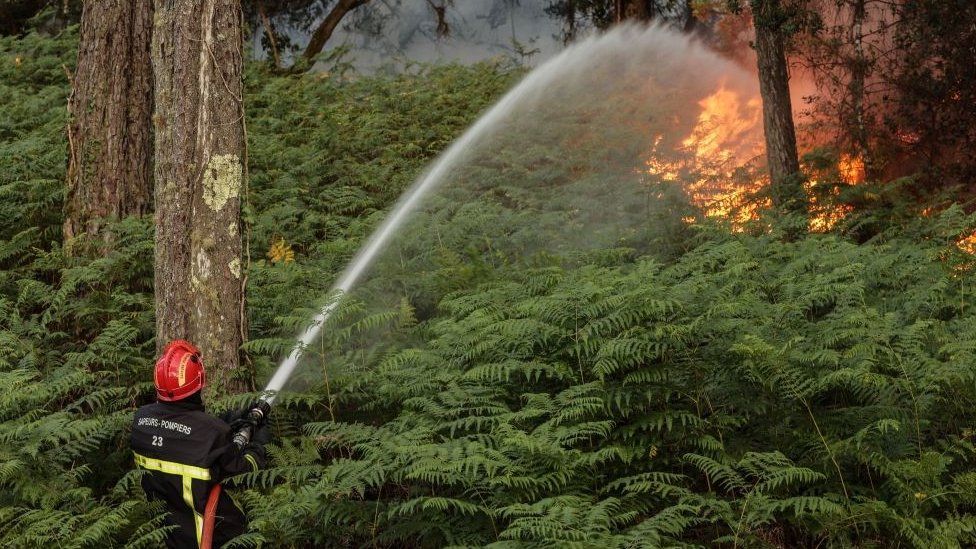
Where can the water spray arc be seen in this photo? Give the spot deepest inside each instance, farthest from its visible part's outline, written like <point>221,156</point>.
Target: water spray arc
<point>625,50</point>
<point>407,204</point>
<point>378,241</point>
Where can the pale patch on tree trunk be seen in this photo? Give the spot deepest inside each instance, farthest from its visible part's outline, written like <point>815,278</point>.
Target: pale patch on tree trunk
<point>235,267</point>
<point>222,181</point>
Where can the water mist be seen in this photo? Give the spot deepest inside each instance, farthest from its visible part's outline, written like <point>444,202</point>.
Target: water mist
<point>558,166</point>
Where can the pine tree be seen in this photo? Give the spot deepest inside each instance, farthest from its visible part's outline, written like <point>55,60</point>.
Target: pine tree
<point>111,104</point>
<point>199,169</point>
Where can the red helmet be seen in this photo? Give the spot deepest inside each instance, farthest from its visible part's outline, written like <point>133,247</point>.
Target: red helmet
<point>179,371</point>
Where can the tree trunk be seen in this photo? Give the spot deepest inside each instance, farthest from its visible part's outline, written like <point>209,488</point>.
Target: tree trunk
<point>859,67</point>
<point>110,109</point>
<point>440,14</point>
<point>774,86</point>
<point>691,23</point>
<point>569,24</point>
<point>632,10</point>
<point>199,122</point>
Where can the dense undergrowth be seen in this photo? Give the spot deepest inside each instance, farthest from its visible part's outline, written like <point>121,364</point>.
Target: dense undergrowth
<point>745,392</point>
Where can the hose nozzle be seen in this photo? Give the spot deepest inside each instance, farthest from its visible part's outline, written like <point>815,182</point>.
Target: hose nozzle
<point>253,419</point>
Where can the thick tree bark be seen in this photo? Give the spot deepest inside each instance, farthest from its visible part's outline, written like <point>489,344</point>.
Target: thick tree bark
<point>774,86</point>
<point>199,123</point>
<point>110,108</point>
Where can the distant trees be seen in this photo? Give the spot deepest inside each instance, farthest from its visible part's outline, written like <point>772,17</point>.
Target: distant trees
<point>16,15</point>
<point>325,29</point>
<point>199,175</point>
<point>604,13</point>
<point>843,56</point>
<point>896,84</point>
<point>110,107</point>
<point>306,14</point>
<point>929,93</point>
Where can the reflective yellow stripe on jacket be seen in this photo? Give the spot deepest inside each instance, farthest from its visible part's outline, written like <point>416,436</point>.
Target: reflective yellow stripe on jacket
<point>172,468</point>
<point>254,463</point>
<point>188,472</point>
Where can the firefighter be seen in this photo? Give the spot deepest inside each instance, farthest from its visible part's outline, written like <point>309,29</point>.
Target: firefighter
<point>187,452</point>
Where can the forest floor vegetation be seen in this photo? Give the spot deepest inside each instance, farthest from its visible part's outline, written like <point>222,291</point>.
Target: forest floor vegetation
<point>740,391</point>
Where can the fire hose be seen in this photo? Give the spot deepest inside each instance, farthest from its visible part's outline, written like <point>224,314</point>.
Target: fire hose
<point>252,420</point>
<point>210,517</point>
<point>245,427</point>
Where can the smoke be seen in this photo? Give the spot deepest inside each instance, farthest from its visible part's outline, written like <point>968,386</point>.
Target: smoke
<point>388,36</point>
<point>556,173</point>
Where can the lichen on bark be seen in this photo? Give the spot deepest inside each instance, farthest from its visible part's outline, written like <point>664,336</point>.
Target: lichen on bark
<point>235,267</point>
<point>222,180</point>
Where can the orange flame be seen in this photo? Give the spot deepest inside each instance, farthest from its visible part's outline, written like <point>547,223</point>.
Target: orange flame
<point>666,170</point>
<point>823,217</point>
<point>851,169</point>
<point>967,244</point>
<point>723,125</point>
<point>909,138</point>
<point>724,137</point>
<point>728,134</point>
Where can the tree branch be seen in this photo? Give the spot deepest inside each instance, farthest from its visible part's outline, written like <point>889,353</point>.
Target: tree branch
<point>440,11</point>
<point>270,33</point>
<point>328,26</point>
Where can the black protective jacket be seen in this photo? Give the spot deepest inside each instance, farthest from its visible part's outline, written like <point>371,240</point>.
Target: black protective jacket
<point>186,451</point>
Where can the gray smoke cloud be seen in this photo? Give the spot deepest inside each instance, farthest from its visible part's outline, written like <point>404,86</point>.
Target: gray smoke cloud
<point>392,34</point>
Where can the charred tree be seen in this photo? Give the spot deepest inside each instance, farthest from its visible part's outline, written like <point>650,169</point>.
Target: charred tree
<point>110,148</point>
<point>774,87</point>
<point>691,22</point>
<point>440,12</point>
<point>569,23</point>
<point>199,173</point>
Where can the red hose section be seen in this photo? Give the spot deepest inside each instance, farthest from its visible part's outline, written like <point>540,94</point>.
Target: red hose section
<point>209,517</point>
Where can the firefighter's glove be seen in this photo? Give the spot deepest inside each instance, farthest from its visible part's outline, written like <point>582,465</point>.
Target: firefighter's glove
<point>262,435</point>
<point>237,424</point>
<point>238,418</point>
<point>234,417</point>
